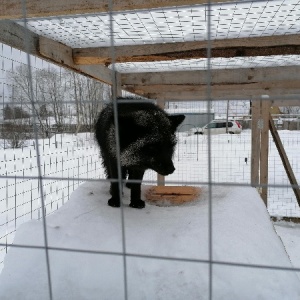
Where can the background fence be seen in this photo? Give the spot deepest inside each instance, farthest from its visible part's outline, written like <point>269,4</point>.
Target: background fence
<point>52,142</point>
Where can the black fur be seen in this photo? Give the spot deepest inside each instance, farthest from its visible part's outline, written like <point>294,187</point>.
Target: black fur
<point>147,141</point>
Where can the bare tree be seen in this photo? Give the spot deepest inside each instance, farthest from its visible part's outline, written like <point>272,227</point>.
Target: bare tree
<point>290,110</point>
<point>88,95</point>
<point>15,133</point>
<point>42,92</point>
<point>26,92</point>
<point>50,94</point>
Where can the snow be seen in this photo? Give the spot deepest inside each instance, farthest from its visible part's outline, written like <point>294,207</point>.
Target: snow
<point>289,233</point>
<point>167,250</point>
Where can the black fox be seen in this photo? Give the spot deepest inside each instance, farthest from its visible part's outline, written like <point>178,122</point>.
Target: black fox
<point>147,141</point>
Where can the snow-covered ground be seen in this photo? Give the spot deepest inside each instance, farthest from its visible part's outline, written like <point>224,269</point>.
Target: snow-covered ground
<point>290,235</point>
<point>175,232</point>
<point>168,251</point>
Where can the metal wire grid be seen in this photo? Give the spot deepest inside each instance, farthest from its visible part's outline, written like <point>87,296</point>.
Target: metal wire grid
<point>20,190</point>
<point>233,165</point>
<point>179,24</point>
<point>125,255</point>
<point>64,161</point>
<point>175,24</point>
<point>281,200</point>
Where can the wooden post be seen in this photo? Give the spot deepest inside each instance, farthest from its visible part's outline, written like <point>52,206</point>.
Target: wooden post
<point>161,178</point>
<point>264,148</point>
<point>255,143</point>
<point>117,85</point>
<point>260,145</point>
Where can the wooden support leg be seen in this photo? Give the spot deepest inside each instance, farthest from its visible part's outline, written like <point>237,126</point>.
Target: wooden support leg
<point>285,160</point>
<point>160,178</point>
<point>117,86</point>
<point>260,145</point>
<point>264,149</point>
<point>255,143</point>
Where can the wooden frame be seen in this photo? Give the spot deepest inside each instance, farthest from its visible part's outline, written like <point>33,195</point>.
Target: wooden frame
<point>262,123</point>
<point>239,47</point>
<point>259,146</point>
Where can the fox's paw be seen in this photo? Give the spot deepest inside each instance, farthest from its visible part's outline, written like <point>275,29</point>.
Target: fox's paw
<point>137,204</point>
<point>113,202</point>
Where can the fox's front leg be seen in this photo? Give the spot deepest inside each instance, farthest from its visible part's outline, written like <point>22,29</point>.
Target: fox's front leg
<point>114,201</point>
<point>135,195</point>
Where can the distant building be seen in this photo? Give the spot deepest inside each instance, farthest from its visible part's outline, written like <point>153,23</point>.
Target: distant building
<point>194,117</point>
<point>199,113</point>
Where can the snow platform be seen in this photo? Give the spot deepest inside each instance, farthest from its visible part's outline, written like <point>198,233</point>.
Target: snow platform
<point>168,251</point>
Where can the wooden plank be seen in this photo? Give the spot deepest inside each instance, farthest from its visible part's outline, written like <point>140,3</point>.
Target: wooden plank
<point>214,96</point>
<point>267,45</point>
<point>285,160</point>
<point>218,92</point>
<point>12,9</point>
<point>255,143</point>
<point>287,102</point>
<point>18,37</point>
<point>123,54</point>
<point>286,219</point>
<point>62,55</point>
<point>23,39</point>
<point>218,76</point>
<point>264,148</point>
<point>161,181</point>
<point>116,86</point>
<point>263,87</point>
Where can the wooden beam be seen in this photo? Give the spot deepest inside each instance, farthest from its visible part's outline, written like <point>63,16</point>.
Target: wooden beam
<point>264,149</point>
<point>23,39</point>
<point>18,37</point>
<point>217,76</point>
<point>62,55</point>
<point>255,143</point>
<point>285,160</point>
<point>116,86</point>
<point>13,9</point>
<point>260,145</point>
<point>286,219</point>
<point>202,95</point>
<point>218,91</point>
<point>241,47</point>
<point>161,180</point>
<point>287,102</point>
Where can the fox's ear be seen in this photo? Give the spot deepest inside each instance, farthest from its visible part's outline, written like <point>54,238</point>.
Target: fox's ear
<point>176,120</point>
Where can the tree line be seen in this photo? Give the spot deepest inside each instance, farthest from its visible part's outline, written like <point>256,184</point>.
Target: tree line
<point>53,100</point>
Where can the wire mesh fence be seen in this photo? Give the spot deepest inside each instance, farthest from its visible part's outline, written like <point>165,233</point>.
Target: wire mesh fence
<point>67,155</point>
<point>46,138</point>
<point>231,161</point>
